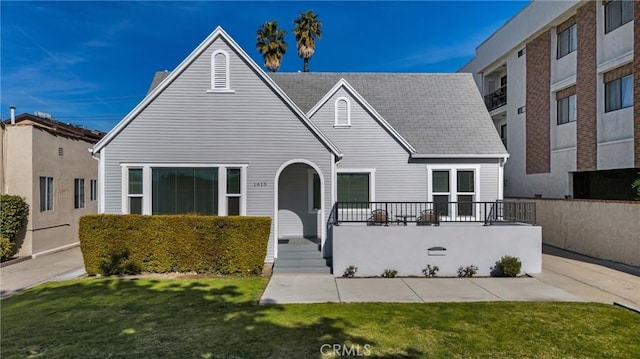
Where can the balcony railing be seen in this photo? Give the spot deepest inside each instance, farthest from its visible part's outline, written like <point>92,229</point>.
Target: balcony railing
<point>432,213</point>
<point>496,99</point>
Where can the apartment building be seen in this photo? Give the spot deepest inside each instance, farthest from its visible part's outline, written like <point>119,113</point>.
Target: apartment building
<point>558,80</point>
<point>49,164</point>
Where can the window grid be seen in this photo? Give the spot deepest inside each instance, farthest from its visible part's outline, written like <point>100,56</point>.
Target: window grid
<point>616,14</point>
<point>566,110</point>
<point>567,41</point>
<point>618,94</point>
<point>343,113</point>
<point>94,190</point>
<point>78,193</point>
<point>46,194</point>
<point>135,191</point>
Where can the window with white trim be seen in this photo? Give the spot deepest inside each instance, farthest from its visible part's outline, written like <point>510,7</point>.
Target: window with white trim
<point>134,193</point>
<point>78,193</point>
<point>441,191</point>
<point>457,184</point>
<point>182,189</point>
<point>94,190</point>
<point>342,112</point>
<point>354,189</point>
<point>46,194</point>
<point>233,191</point>
<point>314,191</point>
<point>220,71</point>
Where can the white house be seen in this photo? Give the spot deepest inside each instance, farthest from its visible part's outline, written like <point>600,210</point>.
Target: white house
<point>217,135</point>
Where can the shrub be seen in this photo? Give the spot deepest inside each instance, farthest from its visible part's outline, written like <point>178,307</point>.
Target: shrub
<point>508,266</point>
<point>13,219</point>
<point>182,243</point>
<point>467,272</point>
<point>430,271</point>
<point>118,263</point>
<point>389,273</point>
<point>350,272</point>
<point>6,249</point>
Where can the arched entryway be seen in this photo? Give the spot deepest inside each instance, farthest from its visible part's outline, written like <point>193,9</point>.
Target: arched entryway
<point>299,198</point>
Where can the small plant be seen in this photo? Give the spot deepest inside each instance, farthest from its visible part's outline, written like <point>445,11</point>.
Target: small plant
<point>118,263</point>
<point>467,272</point>
<point>636,185</point>
<point>350,272</point>
<point>430,271</point>
<point>508,266</point>
<point>389,273</point>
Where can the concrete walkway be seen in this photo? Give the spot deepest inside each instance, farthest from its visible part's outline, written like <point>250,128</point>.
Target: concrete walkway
<point>565,276</point>
<point>61,265</point>
<point>319,288</point>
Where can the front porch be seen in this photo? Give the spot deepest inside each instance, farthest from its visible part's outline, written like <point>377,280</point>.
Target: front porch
<point>406,236</point>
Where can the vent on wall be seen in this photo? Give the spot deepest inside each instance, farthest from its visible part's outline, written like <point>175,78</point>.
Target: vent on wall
<point>522,109</point>
<point>60,151</point>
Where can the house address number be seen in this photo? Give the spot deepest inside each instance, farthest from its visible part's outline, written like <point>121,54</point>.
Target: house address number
<point>259,184</point>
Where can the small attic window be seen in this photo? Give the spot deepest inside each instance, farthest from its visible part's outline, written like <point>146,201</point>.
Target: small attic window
<point>220,72</point>
<point>343,113</point>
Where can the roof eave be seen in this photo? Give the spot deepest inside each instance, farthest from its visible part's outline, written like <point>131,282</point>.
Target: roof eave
<point>459,155</point>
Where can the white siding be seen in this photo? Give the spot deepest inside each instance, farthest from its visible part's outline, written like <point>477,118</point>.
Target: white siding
<point>185,124</point>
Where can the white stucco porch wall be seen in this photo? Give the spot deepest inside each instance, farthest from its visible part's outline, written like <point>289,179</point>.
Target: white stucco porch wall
<point>406,248</point>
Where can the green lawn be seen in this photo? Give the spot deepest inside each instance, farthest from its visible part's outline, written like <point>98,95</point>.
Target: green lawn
<point>219,318</point>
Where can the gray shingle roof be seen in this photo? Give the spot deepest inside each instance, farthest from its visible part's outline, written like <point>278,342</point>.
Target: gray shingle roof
<point>435,113</point>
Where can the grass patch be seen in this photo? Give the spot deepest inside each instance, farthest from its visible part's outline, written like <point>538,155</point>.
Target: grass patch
<point>219,318</point>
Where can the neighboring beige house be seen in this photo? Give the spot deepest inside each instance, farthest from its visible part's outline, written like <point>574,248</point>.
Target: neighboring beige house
<point>49,164</point>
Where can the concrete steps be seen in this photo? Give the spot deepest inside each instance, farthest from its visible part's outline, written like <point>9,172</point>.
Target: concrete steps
<point>300,256</point>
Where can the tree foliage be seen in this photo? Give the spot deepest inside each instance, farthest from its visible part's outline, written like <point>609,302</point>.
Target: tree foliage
<point>308,29</point>
<point>271,44</point>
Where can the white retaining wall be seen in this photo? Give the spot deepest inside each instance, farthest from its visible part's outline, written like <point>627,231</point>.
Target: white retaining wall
<point>406,248</point>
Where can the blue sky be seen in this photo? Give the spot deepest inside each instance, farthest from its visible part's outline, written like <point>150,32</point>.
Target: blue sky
<point>90,63</point>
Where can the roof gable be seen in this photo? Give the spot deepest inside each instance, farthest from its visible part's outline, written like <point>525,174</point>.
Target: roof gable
<point>161,82</point>
<point>439,115</point>
<point>343,84</point>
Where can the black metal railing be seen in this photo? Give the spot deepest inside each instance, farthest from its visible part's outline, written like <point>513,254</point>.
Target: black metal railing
<point>432,213</point>
<point>497,98</point>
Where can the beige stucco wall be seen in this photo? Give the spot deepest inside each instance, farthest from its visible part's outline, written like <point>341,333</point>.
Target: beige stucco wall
<point>31,153</point>
<point>17,155</point>
<point>602,229</point>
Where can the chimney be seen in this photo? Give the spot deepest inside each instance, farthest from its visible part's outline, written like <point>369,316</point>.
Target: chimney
<point>13,115</point>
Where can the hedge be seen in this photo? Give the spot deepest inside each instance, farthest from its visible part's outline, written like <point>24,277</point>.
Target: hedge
<point>13,220</point>
<point>176,243</point>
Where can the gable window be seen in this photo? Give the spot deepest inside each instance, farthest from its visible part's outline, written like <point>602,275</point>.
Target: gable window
<point>616,14</point>
<point>355,188</point>
<point>183,189</point>
<point>220,72</point>
<point>134,193</point>
<point>343,112</point>
<point>46,194</point>
<point>94,190</point>
<point>314,191</point>
<point>618,93</point>
<point>566,110</point>
<point>567,41</point>
<point>78,193</point>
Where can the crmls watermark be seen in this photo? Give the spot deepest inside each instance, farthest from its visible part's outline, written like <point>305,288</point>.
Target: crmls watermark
<point>338,350</point>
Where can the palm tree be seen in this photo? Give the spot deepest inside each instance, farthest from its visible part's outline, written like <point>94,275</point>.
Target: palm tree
<point>271,44</point>
<point>307,30</point>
